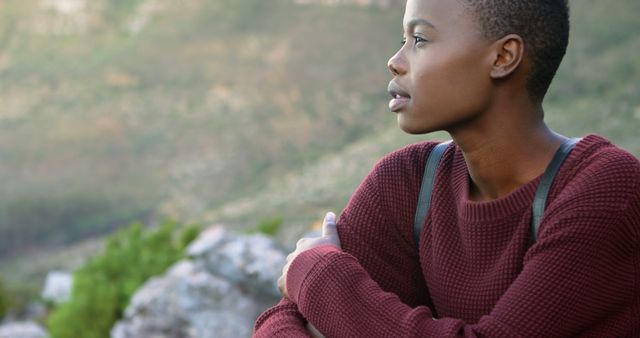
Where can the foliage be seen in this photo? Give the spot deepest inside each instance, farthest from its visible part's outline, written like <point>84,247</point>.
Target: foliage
<point>268,226</point>
<point>4,300</point>
<point>18,297</point>
<point>103,286</point>
<point>189,233</point>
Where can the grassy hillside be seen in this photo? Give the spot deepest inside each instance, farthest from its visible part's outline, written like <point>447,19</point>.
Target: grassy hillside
<point>229,111</point>
<point>597,86</point>
<point>117,110</point>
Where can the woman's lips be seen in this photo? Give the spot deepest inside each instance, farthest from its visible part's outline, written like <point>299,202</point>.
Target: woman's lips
<point>398,102</point>
<point>399,97</point>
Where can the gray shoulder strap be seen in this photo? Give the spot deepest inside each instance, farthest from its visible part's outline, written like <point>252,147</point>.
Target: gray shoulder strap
<point>540,201</point>
<point>426,188</point>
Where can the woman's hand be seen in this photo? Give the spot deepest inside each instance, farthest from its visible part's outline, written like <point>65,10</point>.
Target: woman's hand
<point>329,237</point>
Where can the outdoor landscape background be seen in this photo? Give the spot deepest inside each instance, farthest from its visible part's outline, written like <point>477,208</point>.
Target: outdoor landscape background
<point>228,111</point>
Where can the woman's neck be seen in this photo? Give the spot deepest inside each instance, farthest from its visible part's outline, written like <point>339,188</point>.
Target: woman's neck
<point>506,152</point>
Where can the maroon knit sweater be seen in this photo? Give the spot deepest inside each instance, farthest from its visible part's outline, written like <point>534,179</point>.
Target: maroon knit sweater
<point>476,271</point>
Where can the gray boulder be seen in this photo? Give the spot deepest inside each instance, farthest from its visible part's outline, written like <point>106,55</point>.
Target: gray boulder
<point>252,262</point>
<point>57,287</point>
<point>22,330</point>
<point>219,291</point>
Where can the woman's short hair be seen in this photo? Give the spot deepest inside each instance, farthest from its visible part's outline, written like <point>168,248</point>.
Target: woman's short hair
<point>542,24</point>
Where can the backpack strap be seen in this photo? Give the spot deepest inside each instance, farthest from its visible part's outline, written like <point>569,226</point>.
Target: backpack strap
<point>424,201</point>
<point>540,201</point>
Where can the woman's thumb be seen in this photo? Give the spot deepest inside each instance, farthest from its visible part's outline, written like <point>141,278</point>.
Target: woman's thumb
<point>329,225</point>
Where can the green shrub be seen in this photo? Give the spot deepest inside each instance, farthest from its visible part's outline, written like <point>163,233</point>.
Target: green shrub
<point>4,300</point>
<point>16,297</point>
<point>268,226</point>
<point>188,235</point>
<point>104,285</point>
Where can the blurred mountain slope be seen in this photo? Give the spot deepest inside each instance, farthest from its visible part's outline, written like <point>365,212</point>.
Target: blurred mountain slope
<point>111,108</point>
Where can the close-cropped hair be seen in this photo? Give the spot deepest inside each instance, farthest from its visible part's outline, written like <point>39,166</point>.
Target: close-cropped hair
<point>542,24</point>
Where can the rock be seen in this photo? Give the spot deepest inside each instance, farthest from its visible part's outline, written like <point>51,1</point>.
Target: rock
<point>22,330</point>
<point>252,262</point>
<point>218,291</point>
<point>57,287</point>
<point>208,240</point>
<point>34,311</point>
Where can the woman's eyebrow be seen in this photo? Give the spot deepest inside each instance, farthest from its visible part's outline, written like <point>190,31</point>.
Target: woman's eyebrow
<point>419,22</point>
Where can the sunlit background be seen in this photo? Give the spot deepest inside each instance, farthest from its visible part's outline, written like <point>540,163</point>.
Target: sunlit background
<point>254,114</point>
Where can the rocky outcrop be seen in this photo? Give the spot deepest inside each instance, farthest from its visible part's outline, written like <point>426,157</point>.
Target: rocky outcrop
<point>22,330</point>
<point>57,287</point>
<point>218,291</point>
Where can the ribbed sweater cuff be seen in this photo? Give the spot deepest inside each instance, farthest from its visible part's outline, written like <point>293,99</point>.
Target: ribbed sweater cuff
<point>302,266</point>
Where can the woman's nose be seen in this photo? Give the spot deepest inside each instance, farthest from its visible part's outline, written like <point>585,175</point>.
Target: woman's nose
<point>397,64</point>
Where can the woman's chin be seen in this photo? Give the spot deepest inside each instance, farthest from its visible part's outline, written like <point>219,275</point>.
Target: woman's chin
<point>410,127</point>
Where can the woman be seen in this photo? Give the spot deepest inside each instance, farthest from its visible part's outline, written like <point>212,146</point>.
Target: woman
<point>480,71</point>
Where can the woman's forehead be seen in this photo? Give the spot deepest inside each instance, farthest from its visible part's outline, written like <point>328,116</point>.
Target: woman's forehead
<point>433,11</point>
<point>441,15</point>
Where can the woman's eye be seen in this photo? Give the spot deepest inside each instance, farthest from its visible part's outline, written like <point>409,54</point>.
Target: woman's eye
<point>418,39</point>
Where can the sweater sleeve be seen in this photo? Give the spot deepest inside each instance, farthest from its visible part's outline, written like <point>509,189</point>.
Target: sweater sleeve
<point>281,320</point>
<point>375,242</point>
<point>582,269</point>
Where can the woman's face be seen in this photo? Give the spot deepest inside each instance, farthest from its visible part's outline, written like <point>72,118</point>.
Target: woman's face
<point>441,74</point>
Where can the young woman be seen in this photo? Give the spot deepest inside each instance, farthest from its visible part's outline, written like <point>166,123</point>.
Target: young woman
<point>479,70</point>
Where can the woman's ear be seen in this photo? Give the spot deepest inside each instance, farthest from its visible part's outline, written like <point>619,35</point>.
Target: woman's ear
<point>509,52</point>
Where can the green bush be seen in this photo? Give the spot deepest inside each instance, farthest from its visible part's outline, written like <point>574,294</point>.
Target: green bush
<point>268,226</point>
<point>188,235</point>
<point>4,300</point>
<point>103,286</point>
<point>16,297</point>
